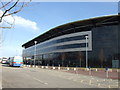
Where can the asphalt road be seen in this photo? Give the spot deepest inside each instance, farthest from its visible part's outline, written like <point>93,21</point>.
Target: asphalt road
<point>14,77</point>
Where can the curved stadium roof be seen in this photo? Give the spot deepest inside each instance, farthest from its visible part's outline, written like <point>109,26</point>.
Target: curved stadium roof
<point>83,25</point>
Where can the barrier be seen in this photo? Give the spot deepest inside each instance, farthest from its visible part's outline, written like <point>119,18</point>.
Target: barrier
<point>53,68</point>
<point>96,69</point>
<point>74,69</point>
<point>46,67</point>
<point>106,72</point>
<point>58,68</point>
<point>117,70</point>
<point>36,66</point>
<point>24,65</point>
<point>42,66</point>
<point>68,69</point>
<point>110,70</point>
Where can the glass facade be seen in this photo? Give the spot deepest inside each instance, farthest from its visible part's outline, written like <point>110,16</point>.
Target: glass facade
<point>69,49</point>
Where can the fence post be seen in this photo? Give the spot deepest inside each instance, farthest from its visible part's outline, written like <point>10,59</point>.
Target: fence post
<point>89,71</point>
<point>106,72</point>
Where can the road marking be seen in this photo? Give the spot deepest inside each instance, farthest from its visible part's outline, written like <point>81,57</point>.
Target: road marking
<point>40,81</point>
<point>74,80</point>
<point>98,84</point>
<point>90,82</point>
<point>45,83</point>
<point>15,68</point>
<point>109,86</point>
<point>81,81</point>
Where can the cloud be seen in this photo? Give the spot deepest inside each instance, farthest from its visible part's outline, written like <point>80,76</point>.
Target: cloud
<point>25,22</point>
<point>19,21</point>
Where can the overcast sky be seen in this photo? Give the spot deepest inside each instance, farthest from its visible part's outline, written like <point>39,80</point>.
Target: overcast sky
<point>39,17</point>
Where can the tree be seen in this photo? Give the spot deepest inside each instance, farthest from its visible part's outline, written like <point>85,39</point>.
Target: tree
<point>9,8</point>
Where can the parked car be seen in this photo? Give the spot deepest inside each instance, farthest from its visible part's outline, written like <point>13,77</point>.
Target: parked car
<point>4,60</point>
<point>0,60</point>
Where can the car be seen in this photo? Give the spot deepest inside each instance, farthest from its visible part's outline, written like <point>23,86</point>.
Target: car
<point>4,60</point>
<point>0,60</point>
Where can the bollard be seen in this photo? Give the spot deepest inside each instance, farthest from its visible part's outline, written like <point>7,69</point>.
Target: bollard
<point>110,70</point>
<point>86,69</point>
<point>36,66</point>
<point>106,72</point>
<point>53,68</point>
<point>46,67</point>
<point>77,70</point>
<point>74,69</point>
<point>58,68</point>
<point>42,67</point>
<point>117,70</point>
<point>96,69</point>
<point>89,71</point>
<point>68,69</point>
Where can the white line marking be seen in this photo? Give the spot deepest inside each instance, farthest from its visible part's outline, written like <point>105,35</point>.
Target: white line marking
<point>98,84</point>
<point>40,81</point>
<point>81,81</point>
<point>45,83</point>
<point>15,68</point>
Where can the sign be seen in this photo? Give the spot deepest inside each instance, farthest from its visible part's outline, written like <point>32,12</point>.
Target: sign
<point>115,63</point>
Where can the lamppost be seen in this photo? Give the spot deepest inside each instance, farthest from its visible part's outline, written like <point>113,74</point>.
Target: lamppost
<point>86,52</point>
<point>23,56</point>
<point>35,52</point>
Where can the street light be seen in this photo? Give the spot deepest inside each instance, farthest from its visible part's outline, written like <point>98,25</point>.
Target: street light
<point>23,55</point>
<point>35,52</point>
<point>86,52</point>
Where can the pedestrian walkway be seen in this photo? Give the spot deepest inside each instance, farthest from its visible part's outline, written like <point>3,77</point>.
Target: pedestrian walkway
<point>97,72</point>
<point>83,76</point>
<point>89,80</point>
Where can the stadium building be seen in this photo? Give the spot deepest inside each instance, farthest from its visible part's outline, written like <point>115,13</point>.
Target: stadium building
<point>94,42</point>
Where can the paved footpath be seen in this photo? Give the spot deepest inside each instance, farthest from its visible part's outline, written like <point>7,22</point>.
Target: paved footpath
<point>38,77</point>
<point>80,76</point>
<point>110,74</point>
<point>100,73</point>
